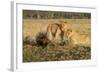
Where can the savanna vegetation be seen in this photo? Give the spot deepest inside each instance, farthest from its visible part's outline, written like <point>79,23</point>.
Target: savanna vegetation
<point>38,48</point>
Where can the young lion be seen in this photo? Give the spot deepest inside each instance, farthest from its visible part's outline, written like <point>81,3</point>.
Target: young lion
<point>56,31</point>
<point>52,31</point>
<point>78,38</point>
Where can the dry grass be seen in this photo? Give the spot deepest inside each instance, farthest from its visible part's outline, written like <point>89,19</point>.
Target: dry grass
<point>55,52</point>
<point>31,27</point>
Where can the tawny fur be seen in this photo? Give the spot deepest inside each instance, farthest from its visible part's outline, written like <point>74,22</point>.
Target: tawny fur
<point>77,38</point>
<point>56,31</point>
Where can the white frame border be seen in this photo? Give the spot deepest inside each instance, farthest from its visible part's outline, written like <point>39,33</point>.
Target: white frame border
<point>16,59</point>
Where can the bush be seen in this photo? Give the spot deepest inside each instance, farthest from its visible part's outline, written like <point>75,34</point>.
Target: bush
<point>65,42</point>
<point>28,41</point>
<point>42,39</point>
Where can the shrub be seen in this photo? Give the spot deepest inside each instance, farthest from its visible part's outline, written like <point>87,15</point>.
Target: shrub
<point>28,41</point>
<point>42,39</point>
<point>65,42</point>
<point>27,54</point>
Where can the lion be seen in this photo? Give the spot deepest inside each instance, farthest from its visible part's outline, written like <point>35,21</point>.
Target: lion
<point>56,31</point>
<point>52,31</point>
<point>77,38</point>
